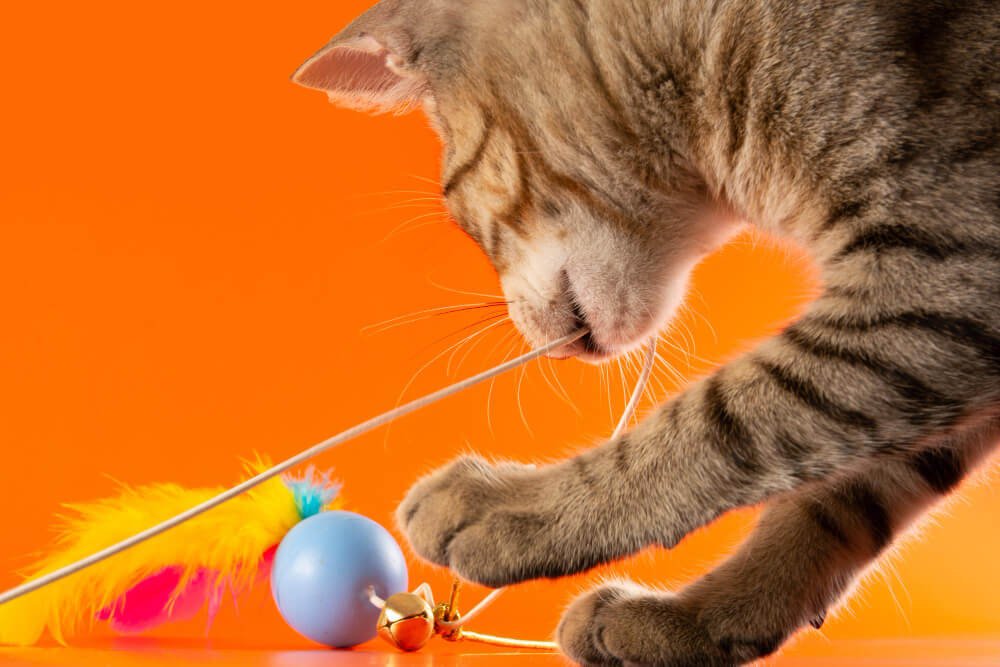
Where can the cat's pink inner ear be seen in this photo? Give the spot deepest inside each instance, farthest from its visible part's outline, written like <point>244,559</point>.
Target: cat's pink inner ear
<point>359,75</point>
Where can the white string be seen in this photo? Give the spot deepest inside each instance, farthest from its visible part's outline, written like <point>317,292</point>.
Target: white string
<point>640,386</point>
<point>339,439</point>
<point>475,611</point>
<point>375,599</point>
<point>630,407</point>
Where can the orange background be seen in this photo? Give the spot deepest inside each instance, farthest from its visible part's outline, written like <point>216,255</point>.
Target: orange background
<point>191,248</point>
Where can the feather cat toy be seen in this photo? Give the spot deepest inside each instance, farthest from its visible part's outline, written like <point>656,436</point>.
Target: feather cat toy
<point>224,550</point>
<point>213,541</point>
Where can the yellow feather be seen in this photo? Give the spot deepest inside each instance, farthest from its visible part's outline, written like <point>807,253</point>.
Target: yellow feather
<point>228,540</point>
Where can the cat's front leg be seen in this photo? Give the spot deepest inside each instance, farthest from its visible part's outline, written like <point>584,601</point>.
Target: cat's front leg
<point>830,395</point>
<point>499,524</point>
<point>807,550</point>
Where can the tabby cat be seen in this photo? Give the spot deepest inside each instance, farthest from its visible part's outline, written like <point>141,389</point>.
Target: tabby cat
<point>597,150</point>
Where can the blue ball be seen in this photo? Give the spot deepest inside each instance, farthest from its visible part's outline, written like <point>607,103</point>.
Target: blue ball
<point>322,571</point>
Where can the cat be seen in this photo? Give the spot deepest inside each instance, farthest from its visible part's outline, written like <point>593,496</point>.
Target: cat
<point>597,150</point>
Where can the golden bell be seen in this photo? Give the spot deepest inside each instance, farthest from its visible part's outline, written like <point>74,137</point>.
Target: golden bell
<point>406,622</point>
<point>444,612</point>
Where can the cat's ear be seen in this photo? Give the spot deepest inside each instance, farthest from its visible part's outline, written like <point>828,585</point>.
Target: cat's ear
<point>369,66</point>
<point>363,74</point>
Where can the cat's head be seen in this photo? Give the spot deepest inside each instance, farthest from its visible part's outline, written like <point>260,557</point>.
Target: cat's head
<point>586,221</point>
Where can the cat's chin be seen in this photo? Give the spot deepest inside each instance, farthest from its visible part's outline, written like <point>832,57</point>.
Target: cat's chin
<point>584,349</point>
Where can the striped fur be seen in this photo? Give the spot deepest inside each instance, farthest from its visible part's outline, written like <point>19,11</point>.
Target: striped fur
<point>597,151</point>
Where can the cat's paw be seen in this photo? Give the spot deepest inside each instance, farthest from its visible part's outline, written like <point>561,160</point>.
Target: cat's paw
<point>581,632</point>
<point>623,624</point>
<point>481,520</point>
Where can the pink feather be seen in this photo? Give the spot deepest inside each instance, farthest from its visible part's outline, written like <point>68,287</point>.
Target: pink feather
<point>161,598</point>
<point>157,599</point>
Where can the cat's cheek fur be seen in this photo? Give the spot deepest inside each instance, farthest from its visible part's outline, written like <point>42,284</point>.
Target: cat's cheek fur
<point>534,287</point>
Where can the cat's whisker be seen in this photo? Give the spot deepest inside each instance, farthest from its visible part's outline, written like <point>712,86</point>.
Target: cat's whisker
<point>621,378</point>
<point>634,367</point>
<point>634,363</point>
<point>561,389</point>
<point>654,377</point>
<point>683,351</point>
<point>673,372</point>
<point>407,226</point>
<point>417,204</point>
<point>469,293</point>
<point>629,382</point>
<point>428,313</point>
<point>690,308</point>
<point>663,336</point>
<point>548,381</point>
<point>472,341</point>
<point>561,395</point>
<point>486,325</point>
<point>435,196</point>
<point>659,383</point>
<point>669,368</point>
<point>486,320</point>
<point>425,179</point>
<point>507,337</point>
<point>472,346</point>
<point>413,378</point>
<point>437,199</point>
<point>388,193</point>
<point>606,387</point>
<point>629,359</point>
<point>396,325</point>
<point>489,395</point>
<point>688,354</point>
<point>520,403</point>
<point>627,372</point>
<point>649,393</point>
<point>403,226</point>
<point>425,225</point>
<point>394,195</point>
<point>683,330</point>
<point>680,326</point>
